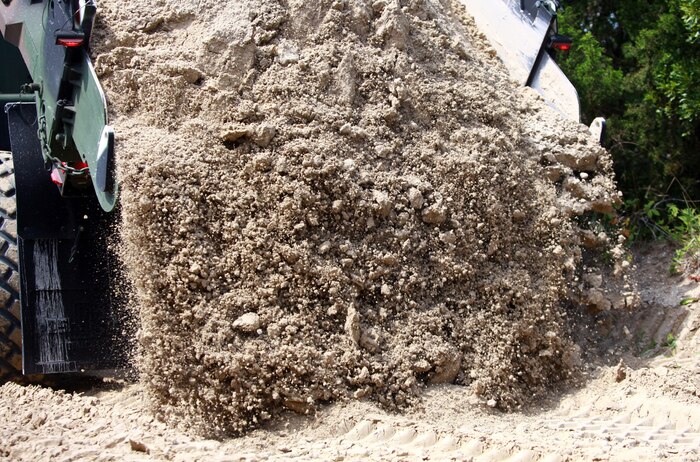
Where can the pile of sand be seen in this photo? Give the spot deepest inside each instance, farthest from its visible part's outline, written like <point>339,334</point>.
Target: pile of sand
<point>339,199</point>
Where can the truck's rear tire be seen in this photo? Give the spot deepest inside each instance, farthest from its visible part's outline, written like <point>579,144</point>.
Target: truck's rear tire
<point>10,324</point>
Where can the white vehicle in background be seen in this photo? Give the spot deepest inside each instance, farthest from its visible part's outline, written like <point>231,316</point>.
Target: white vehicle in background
<point>525,34</point>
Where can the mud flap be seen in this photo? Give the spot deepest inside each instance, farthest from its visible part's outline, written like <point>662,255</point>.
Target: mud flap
<point>69,320</point>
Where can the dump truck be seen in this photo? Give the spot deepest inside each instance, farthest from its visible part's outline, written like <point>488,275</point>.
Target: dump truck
<point>59,309</point>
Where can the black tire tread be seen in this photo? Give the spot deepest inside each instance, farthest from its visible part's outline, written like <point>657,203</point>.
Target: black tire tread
<point>10,324</point>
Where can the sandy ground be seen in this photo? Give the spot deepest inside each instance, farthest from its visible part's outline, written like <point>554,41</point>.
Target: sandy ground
<point>648,408</point>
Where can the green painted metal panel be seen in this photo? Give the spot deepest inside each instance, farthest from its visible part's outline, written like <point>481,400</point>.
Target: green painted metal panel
<point>81,130</point>
<point>90,130</point>
<point>13,72</point>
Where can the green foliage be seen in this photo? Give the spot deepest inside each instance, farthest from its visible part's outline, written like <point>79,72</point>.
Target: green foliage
<point>667,56</point>
<point>647,347</point>
<point>684,228</point>
<point>691,18</point>
<point>686,258</point>
<point>664,219</point>
<point>637,63</point>
<point>671,342</point>
<point>593,73</point>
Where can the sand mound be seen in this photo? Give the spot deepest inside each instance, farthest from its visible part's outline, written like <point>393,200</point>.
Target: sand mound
<point>339,199</point>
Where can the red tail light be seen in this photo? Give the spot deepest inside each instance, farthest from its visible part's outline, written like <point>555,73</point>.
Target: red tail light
<point>69,43</point>
<point>560,42</point>
<point>70,39</point>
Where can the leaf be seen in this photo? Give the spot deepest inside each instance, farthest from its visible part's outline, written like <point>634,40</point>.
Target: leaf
<point>673,210</point>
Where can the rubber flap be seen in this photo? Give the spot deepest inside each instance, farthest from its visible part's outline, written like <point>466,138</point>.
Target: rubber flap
<point>69,312</point>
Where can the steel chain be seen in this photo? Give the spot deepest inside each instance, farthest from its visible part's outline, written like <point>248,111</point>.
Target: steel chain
<point>58,163</point>
<point>46,150</point>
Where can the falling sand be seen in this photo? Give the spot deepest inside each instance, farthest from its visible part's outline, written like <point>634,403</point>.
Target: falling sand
<point>331,200</point>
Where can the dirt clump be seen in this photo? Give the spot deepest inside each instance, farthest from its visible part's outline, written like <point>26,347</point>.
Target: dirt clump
<point>339,199</point>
